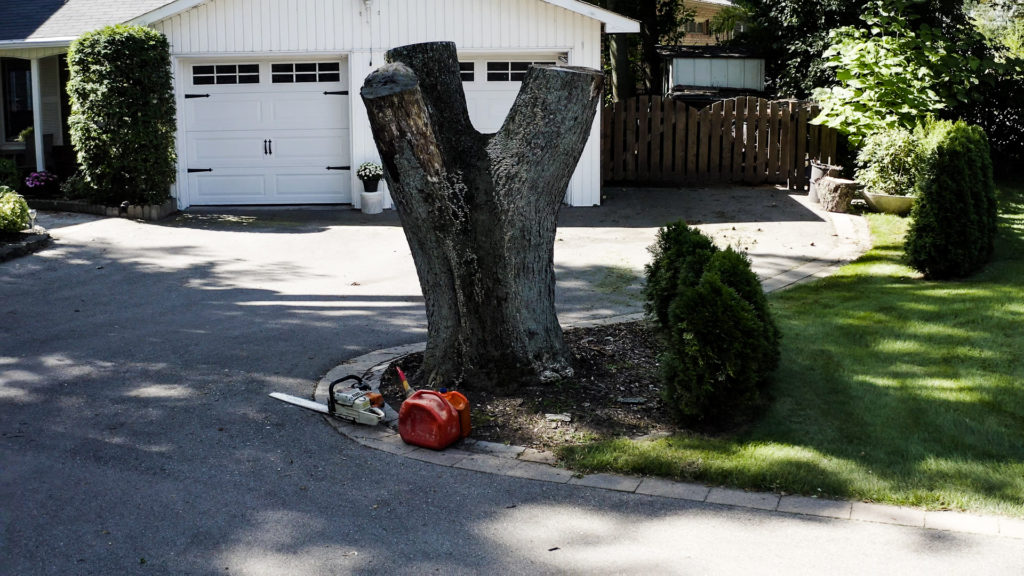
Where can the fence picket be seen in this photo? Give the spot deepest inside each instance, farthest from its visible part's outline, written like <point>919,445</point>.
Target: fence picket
<point>716,143</point>
<point>801,149</point>
<point>727,138</point>
<point>692,128</point>
<point>739,126</point>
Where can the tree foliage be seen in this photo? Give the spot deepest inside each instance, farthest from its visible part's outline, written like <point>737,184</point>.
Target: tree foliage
<point>661,22</point>
<point>793,35</point>
<point>892,72</point>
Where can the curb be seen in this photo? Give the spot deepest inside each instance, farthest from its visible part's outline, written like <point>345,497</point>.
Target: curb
<point>522,462</point>
<point>31,242</point>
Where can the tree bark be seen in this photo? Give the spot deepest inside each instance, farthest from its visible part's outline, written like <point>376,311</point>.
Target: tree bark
<point>479,210</point>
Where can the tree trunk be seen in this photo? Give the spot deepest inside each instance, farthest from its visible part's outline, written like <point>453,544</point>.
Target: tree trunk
<point>479,210</point>
<point>623,78</point>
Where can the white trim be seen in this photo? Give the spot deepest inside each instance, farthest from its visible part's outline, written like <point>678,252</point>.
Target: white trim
<point>165,11</point>
<point>614,23</point>
<point>40,43</point>
<point>37,115</point>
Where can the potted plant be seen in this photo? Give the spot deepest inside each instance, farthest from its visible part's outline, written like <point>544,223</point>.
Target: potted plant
<point>887,168</point>
<point>370,173</point>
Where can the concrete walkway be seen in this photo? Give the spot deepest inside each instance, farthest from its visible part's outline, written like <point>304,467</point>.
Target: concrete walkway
<point>137,437</point>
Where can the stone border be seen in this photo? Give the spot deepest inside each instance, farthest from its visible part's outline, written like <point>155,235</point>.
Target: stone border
<point>37,239</point>
<point>148,212</point>
<point>522,462</point>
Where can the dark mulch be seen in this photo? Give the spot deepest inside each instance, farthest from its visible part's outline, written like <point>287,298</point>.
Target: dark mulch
<point>614,392</point>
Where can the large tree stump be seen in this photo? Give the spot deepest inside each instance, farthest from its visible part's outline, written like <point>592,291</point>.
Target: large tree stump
<point>479,210</point>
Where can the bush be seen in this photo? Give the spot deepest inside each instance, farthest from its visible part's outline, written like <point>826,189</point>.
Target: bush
<point>9,174</point>
<point>122,114</point>
<point>679,256</point>
<point>722,343</point>
<point>888,163</point>
<point>13,211</point>
<point>953,223</point>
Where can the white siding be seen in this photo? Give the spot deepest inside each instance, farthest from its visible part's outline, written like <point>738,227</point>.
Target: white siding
<point>343,27</point>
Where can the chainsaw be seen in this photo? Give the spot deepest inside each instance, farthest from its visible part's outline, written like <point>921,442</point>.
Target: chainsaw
<point>355,403</point>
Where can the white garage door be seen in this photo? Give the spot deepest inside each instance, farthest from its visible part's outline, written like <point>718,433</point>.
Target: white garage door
<point>492,83</point>
<point>271,132</point>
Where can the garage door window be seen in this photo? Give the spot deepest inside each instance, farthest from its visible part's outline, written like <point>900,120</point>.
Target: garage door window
<point>226,74</point>
<point>467,71</point>
<point>509,71</point>
<point>297,72</point>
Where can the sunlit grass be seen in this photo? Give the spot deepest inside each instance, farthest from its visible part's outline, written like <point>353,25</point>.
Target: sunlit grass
<point>891,389</point>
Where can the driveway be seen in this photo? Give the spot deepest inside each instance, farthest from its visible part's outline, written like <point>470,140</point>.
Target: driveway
<point>136,435</point>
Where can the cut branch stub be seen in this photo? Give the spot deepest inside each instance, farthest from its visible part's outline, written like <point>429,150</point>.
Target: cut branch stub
<point>479,211</point>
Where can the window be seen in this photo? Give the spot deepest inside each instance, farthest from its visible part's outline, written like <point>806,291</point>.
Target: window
<point>510,71</point>
<point>225,74</point>
<point>288,73</point>
<point>17,97</point>
<point>467,71</point>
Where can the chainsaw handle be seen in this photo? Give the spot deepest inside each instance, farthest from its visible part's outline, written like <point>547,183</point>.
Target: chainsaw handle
<point>330,389</point>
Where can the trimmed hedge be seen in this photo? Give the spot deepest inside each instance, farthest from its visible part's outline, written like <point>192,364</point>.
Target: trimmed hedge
<point>722,342</point>
<point>122,114</point>
<point>953,227</point>
<point>14,215</point>
<point>10,176</point>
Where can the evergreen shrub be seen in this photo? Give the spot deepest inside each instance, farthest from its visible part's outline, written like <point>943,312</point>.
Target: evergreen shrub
<point>14,215</point>
<point>953,223</point>
<point>722,344</point>
<point>122,114</point>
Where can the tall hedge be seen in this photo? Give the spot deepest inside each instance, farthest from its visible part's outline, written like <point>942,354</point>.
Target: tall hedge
<point>953,223</point>
<point>122,114</point>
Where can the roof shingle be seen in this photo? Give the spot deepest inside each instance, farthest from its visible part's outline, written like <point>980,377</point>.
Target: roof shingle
<point>42,19</point>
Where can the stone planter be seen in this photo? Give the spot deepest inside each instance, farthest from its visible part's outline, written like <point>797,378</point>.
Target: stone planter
<point>835,194</point>
<point>371,202</point>
<point>819,171</point>
<point>889,204</point>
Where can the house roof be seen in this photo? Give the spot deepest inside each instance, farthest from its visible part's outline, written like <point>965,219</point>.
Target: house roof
<point>41,20</point>
<point>26,23</point>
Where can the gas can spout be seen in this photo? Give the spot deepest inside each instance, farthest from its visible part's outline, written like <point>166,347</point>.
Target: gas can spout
<point>405,382</point>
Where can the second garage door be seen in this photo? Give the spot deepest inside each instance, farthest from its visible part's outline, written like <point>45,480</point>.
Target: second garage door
<point>267,132</point>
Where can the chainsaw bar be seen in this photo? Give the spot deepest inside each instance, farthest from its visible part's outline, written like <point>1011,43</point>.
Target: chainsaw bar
<point>371,416</point>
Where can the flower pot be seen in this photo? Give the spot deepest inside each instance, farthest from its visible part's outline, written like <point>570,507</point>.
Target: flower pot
<point>818,171</point>
<point>370,185</point>
<point>888,203</point>
<point>371,202</point>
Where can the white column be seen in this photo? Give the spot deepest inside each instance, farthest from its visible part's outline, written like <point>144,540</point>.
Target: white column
<point>37,115</point>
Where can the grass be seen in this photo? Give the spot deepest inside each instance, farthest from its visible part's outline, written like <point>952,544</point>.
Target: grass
<point>891,389</point>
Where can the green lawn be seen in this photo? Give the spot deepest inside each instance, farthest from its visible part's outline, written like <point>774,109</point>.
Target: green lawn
<point>891,389</point>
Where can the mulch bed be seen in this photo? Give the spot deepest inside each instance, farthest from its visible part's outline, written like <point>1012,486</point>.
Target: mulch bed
<point>615,392</point>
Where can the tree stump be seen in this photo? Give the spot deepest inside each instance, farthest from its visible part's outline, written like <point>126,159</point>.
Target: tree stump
<point>479,210</point>
<point>835,194</point>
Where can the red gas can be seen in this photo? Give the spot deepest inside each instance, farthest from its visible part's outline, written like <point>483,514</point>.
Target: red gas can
<point>427,419</point>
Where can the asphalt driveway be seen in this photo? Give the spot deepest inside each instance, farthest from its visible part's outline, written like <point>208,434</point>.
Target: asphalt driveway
<point>136,435</point>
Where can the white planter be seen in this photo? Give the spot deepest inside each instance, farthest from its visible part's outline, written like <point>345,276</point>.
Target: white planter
<point>371,202</point>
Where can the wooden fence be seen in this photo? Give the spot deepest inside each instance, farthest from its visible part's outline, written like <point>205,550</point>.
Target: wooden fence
<point>655,140</point>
